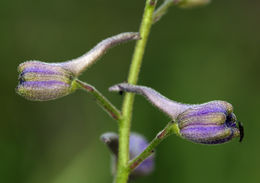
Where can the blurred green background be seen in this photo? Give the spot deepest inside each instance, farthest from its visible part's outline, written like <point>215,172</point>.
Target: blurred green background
<point>192,56</point>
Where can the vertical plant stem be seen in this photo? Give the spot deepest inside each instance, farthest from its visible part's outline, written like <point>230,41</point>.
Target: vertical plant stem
<point>125,124</point>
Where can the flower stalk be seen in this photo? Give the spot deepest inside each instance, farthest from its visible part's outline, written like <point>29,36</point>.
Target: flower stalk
<point>101,100</point>
<point>149,150</point>
<point>127,108</point>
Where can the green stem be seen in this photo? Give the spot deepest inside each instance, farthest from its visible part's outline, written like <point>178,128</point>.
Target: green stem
<point>125,123</point>
<point>102,101</point>
<point>167,131</point>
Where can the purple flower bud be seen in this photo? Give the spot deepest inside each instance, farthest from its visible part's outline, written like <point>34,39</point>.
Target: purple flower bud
<point>39,81</point>
<point>137,143</point>
<point>209,123</point>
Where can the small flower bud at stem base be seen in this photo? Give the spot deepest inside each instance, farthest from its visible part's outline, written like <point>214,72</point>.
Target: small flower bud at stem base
<point>137,143</point>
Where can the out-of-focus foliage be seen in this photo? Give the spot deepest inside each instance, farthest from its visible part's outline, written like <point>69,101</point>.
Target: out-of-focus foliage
<point>192,56</point>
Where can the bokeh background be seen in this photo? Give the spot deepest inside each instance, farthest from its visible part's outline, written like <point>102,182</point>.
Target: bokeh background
<point>192,56</point>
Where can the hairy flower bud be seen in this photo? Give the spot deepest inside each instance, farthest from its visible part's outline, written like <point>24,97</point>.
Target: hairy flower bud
<point>39,81</point>
<point>193,3</point>
<point>137,143</point>
<point>209,123</point>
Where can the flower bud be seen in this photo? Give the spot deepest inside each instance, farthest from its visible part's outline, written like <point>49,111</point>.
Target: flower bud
<point>137,143</point>
<point>209,123</point>
<point>39,81</point>
<point>193,3</point>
